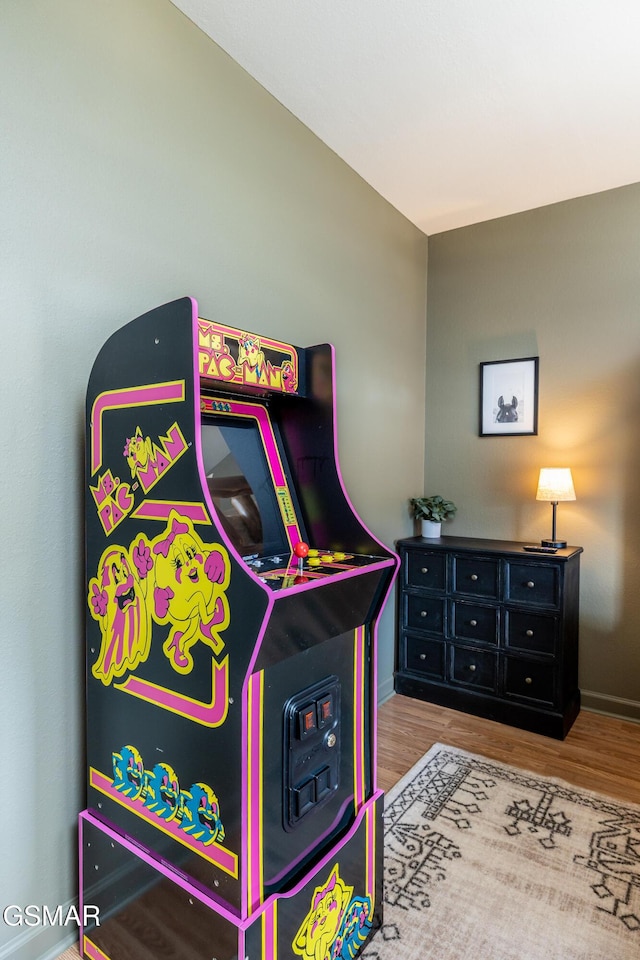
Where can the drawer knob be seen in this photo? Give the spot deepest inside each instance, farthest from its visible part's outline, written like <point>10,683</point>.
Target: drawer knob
<point>529,633</point>
<point>425,570</point>
<point>474,623</point>
<point>528,680</point>
<point>530,584</point>
<point>474,576</point>
<point>423,656</point>
<point>472,667</point>
<point>423,613</point>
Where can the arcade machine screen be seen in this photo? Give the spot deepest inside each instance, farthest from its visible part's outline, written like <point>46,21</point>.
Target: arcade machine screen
<point>241,487</point>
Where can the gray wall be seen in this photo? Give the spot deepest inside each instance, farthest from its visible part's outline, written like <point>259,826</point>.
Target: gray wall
<point>142,165</point>
<point>561,282</point>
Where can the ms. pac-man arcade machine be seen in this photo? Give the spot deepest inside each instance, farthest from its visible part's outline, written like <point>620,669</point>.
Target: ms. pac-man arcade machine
<point>232,599</point>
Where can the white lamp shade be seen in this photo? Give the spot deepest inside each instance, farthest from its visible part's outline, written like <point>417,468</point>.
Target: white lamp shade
<point>555,484</point>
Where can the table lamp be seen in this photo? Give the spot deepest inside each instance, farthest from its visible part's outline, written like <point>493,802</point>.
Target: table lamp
<point>555,484</point>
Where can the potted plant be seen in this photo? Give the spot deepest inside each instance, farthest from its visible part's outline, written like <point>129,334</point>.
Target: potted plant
<point>431,511</point>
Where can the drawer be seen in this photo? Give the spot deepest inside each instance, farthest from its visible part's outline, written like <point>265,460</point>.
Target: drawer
<point>534,632</point>
<point>474,621</point>
<point>473,668</point>
<point>425,657</point>
<point>423,612</point>
<point>530,680</point>
<point>426,570</point>
<point>476,576</point>
<point>533,583</point>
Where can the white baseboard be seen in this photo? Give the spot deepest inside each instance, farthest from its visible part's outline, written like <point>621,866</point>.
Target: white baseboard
<point>611,706</point>
<point>616,707</point>
<point>385,690</point>
<point>42,942</point>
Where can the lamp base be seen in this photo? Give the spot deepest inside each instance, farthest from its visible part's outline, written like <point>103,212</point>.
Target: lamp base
<point>558,544</point>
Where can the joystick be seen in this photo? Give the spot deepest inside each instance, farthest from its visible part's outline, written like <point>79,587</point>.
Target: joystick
<point>301,550</point>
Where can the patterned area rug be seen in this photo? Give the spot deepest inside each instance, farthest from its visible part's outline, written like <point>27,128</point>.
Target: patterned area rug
<point>488,862</point>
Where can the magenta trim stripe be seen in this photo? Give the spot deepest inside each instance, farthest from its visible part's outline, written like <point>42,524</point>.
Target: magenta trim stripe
<point>371,855</point>
<point>81,875</point>
<point>373,731</point>
<point>160,510</point>
<point>359,792</point>
<point>293,533</point>
<point>93,952</point>
<point>277,345</point>
<point>212,714</point>
<point>374,692</point>
<point>142,854</point>
<point>260,415</point>
<point>270,950</point>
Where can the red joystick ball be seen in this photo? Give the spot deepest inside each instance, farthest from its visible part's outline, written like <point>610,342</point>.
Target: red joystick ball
<point>301,550</point>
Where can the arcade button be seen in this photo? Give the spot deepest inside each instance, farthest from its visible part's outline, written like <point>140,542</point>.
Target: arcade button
<point>304,797</point>
<point>322,783</point>
<point>339,556</point>
<point>326,558</point>
<point>313,552</point>
<point>307,721</point>
<point>313,561</point>
<point>325,711</point>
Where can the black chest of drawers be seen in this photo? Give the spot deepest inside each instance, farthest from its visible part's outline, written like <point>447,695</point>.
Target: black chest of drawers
<point>491,629</point>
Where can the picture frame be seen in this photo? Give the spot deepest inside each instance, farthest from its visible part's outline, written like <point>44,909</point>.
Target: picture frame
<point>509,397</point>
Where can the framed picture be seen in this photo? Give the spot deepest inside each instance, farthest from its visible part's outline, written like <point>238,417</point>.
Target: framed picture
<point>509,398</point>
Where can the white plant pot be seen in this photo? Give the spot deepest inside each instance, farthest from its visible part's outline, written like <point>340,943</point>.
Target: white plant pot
<point>430,528</point>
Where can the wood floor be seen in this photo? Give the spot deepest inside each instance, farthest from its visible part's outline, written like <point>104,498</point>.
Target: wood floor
<point>599,753</point>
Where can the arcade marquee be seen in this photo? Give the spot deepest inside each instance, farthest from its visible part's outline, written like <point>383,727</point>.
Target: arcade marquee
<point>232,600</point>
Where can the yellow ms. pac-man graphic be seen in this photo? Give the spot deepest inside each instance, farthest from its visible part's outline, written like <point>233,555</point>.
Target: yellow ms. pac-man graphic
<point>337,924</point>
<point>117,599</point>
<point>174,579</point>
<point>190,585</point>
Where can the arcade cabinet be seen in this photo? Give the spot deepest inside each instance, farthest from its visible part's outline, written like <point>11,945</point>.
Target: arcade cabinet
<point>232,596</point>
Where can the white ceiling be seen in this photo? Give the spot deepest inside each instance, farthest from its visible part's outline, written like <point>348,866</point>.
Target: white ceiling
<point>455,111</point>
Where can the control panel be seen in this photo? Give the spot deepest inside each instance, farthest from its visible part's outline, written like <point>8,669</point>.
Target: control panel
<point>282,572</point>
